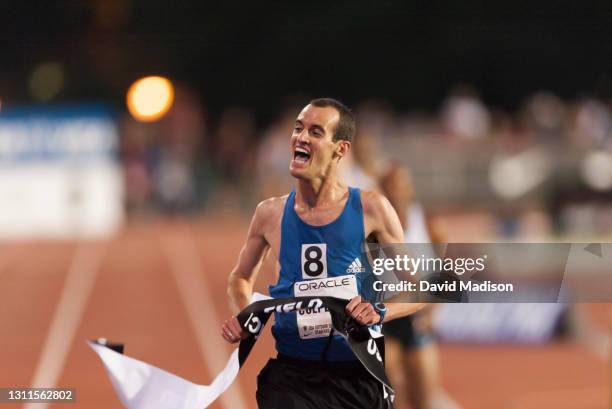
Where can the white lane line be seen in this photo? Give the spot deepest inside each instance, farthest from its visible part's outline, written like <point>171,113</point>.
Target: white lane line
<point>189,275</point>
<point>67,317</point>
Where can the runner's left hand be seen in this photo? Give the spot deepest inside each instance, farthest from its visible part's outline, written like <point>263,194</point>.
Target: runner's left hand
<point>362,311</point>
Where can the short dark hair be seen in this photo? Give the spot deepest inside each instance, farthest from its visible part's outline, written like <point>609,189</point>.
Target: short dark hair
<point>345,129</point>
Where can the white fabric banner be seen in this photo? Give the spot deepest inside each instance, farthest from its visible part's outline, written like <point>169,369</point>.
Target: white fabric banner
<point>142,386</point>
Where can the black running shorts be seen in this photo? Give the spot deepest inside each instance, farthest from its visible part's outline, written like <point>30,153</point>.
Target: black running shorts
<point>288,383</point>
<point>408,332</point>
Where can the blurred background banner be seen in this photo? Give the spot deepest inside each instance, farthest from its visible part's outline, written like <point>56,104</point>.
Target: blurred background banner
<point>522,323</point>
<point>59,174</point>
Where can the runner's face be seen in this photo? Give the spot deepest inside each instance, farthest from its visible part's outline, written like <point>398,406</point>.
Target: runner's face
<point>312,148</point>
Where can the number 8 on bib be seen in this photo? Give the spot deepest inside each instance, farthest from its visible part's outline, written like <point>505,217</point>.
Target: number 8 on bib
<point>314,260</point>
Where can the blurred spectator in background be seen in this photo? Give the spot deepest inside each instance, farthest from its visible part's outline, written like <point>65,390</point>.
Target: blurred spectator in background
<point>544,116</point>
<point>464,116</point>
<point>362,165</point>
<point>136,143</point>
<point>592,125</point>
<point>182,142</point>
<point>234,158</point>
<point>273,155</point>
<point>377,119</point>
<point>234,150</point>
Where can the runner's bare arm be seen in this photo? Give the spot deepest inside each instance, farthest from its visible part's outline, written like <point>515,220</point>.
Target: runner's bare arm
<point>383,222</point>
<point>243,276</point>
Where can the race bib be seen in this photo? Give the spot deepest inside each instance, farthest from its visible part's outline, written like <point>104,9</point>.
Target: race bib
<point>317,323</point>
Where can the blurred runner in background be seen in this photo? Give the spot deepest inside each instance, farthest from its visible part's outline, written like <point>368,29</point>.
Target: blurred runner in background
<point>412,358</point>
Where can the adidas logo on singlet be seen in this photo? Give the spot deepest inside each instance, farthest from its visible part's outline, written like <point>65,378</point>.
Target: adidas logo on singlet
<point>355,267</point>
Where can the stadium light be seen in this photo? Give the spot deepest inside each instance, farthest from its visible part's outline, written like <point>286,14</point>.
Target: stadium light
<point>150,98</point>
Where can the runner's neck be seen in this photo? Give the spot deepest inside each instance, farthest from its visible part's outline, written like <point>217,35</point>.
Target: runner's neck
<point>311,196</point>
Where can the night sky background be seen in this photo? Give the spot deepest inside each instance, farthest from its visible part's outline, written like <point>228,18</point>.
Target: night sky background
<point>256,54</point>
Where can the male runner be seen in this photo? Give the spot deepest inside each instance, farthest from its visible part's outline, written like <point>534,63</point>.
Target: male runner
<point>317,234</point>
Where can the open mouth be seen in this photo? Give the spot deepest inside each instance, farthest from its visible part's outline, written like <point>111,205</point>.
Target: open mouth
<point>301,155</point>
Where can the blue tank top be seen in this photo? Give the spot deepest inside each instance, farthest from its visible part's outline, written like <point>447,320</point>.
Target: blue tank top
<point>319,260</point>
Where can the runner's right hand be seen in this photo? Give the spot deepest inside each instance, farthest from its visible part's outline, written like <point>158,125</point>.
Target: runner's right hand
<point>232,332</point>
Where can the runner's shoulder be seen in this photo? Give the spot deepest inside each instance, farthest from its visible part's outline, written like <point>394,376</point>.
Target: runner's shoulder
<point>270,209</point>
<point>373,202</point>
